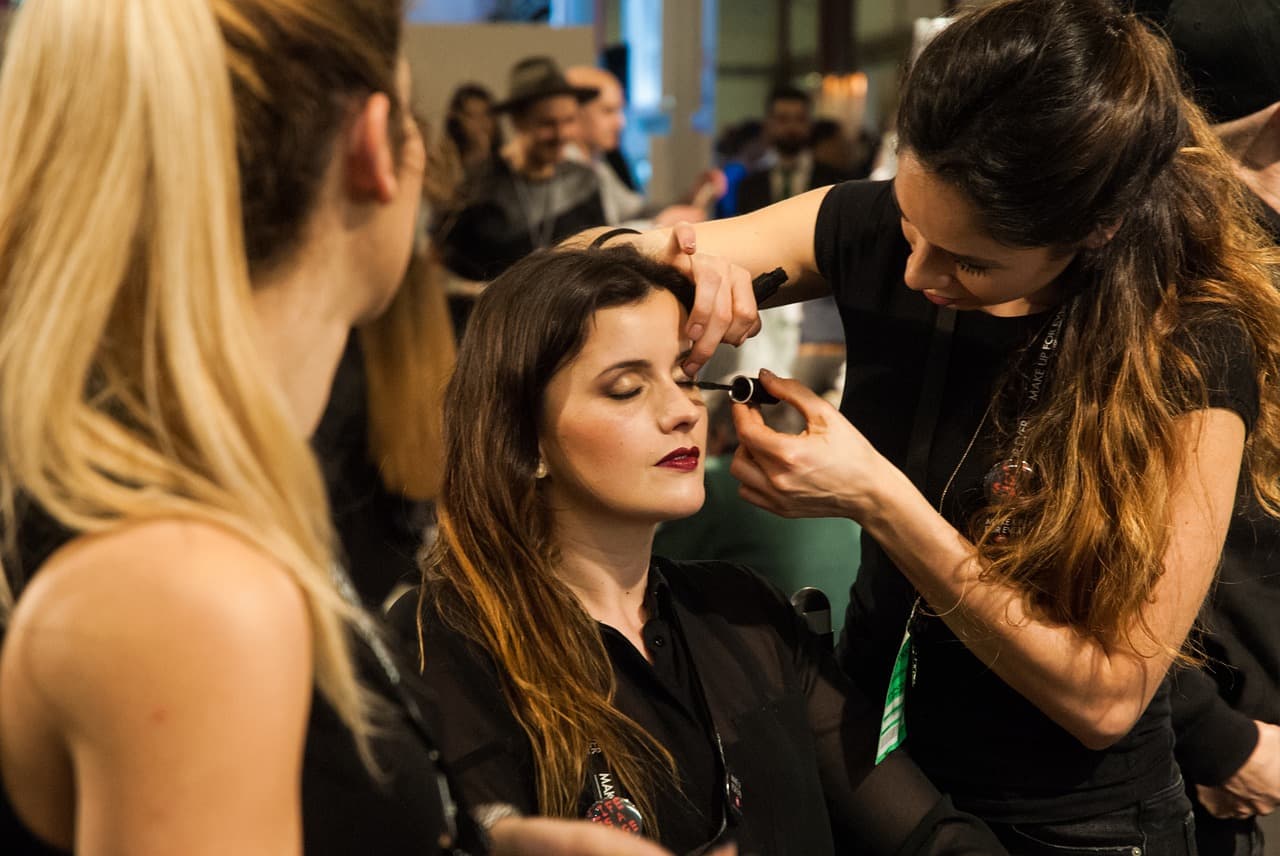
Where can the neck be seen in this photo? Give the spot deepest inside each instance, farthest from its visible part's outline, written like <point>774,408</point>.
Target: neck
<point>606,565</point>
<point>301,334</point>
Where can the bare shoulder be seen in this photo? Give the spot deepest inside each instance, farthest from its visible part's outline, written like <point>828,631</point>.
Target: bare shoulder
<point>158,601</point>
<point>169,664</point>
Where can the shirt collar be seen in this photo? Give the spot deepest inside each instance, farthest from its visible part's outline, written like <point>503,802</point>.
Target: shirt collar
<point>657,596</point>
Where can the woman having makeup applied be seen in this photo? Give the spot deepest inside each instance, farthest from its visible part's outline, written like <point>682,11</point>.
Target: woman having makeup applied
<point>200,199</point>
<point>1064,338</point>
<point>577,674</point>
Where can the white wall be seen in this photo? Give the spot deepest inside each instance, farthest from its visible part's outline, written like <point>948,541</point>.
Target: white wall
<point>445,55</point>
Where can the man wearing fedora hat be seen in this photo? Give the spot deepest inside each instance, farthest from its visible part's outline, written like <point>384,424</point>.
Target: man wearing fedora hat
<point>531,196</point>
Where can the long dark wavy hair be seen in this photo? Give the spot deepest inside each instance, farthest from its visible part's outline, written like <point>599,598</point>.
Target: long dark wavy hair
<point>491,574</point>
<point>453,125</point>
<point>1057,118</point>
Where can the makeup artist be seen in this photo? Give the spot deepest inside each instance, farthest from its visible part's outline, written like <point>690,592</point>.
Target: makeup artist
<point>1062,326</point>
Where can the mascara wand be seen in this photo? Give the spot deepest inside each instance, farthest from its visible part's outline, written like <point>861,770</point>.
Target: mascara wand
<point>742,389</point>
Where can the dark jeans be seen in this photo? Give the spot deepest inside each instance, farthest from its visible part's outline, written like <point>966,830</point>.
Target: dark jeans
<point>1215,837</point>
<point>1160,825</point>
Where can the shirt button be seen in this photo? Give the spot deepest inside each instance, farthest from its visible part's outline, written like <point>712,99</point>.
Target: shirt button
<point>658,642</point>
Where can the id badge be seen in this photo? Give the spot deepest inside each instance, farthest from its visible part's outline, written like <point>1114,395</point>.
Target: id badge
<point>893,723</point>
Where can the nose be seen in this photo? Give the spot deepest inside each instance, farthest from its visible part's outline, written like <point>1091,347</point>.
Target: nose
<point>679,408</point>
<point>928,268</point>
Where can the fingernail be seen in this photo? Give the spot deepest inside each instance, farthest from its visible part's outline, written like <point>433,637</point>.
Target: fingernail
<point>690,247</point>
<point>692,369</point>
<point>766,373</point>
<point>696,331</point>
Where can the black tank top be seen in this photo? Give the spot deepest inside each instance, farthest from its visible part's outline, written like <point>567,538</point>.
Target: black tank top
<point>344,809</point>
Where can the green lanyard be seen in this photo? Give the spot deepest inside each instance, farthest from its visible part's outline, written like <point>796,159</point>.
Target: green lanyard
<point>893,722</point>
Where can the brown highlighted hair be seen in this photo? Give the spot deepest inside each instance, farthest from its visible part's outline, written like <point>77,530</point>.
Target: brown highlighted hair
<point>492,573</point>
<point>1058,118</point>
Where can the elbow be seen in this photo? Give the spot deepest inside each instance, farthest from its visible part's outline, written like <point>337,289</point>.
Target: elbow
<point>1099,739</point>
<point>1101,725</point>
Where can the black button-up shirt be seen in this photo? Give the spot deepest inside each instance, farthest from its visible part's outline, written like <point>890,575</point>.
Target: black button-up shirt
<point>799,738</point>
<point>664,698</point>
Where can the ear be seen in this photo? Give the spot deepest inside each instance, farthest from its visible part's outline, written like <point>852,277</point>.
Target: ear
<point>1102,235</point>
<point>370,163</point>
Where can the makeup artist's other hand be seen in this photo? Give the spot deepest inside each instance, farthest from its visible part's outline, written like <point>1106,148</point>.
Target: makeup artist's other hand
<point>1254,144</point>
<point>546,836</point>
<point>830,470</point>
<point>724,307</point>
<point>1255,787</point>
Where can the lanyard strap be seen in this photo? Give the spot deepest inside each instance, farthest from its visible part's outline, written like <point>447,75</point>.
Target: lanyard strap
<point>372,638</point>
<point>929,405</point>
<point>893,727</point>
<point>893,724</point>
<point>1039,374</point>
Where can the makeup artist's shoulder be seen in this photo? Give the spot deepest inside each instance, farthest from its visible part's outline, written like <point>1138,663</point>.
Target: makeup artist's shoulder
<point>154,603</point>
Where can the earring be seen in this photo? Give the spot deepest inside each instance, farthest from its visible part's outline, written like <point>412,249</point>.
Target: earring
<point>541,472</point>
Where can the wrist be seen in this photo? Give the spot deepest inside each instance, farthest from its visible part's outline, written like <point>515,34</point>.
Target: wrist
<point>879,505</point>
<point>489,816</point>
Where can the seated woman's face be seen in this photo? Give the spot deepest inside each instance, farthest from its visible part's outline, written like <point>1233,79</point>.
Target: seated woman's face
<point>623,433</point>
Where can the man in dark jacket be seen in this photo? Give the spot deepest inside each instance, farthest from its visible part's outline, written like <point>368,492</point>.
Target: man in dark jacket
<point>792,170</point>
<point>531,196</point>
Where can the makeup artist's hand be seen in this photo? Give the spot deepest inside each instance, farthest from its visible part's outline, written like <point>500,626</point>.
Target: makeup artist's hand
<point>829,470</point>
<point>1255,787</point>
<point>1254,144</point>
<point>724,308</point>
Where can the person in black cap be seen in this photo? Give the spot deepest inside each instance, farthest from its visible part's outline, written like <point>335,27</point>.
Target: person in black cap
<point>530,196</point>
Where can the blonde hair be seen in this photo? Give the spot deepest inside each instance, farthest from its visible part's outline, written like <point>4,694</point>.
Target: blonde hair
<point>131,384</point>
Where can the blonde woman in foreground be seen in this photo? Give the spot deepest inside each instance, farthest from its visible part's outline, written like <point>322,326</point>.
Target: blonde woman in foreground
<point>183,670</point>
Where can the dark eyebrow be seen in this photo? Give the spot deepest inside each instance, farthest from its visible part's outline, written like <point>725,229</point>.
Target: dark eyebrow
<point>641,365</point>
<point>626,365</point>
<point>969,260</point>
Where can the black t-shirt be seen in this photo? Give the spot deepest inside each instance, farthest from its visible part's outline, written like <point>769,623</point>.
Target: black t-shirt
<point>345,807</point>
<point>997,754</point>
<point>797,736</point>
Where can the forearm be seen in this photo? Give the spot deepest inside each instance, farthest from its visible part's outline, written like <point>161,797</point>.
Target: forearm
<point>1212,741</point>
<point>781,235</point>
<point>1093,692</point>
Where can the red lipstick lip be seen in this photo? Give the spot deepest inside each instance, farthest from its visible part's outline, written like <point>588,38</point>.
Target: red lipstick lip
<point>939,299</point>
<point>681,459</point>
